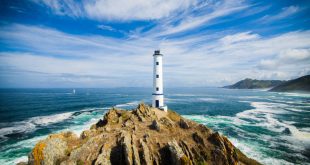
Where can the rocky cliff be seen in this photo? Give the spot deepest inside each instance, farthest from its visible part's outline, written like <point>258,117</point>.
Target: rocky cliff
<point>142,136</point>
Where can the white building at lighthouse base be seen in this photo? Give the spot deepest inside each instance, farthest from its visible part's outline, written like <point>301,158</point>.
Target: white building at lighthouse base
<point>160,99</point>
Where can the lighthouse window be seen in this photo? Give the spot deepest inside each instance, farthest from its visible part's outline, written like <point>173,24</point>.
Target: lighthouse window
<point>157,89</point>
<point>157,63</point>
<point>157,76</point>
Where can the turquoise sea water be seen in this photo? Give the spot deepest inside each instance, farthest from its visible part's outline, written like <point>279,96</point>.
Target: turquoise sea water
<point>273,128</point>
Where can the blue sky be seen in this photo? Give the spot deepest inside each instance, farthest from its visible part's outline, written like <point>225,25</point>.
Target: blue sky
<point>109,43</point>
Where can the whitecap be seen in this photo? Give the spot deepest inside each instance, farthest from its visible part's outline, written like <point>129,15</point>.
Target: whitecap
<point>46,120</point>
<point>14,161</point>
<point>184,95</point>
<point>298,134</point>
<point>296,110</point>
<point>295,94</point>
<point>208,99</point>
<point>172,100</point>
<point>129,104</point>
<point>253,150</point>
<point>33,123</point>
<point>21,159</point>
<point>79,129</point>
<point>17,127</point>
<point>265,116</point>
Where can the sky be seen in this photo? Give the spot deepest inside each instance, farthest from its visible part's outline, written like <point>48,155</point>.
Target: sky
<point>110,43</point>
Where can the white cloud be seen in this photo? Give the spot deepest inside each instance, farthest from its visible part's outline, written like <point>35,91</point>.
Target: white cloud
<point>267,64</point>
<point>135,9</point>
<point>118,10</point>
<point>63,7</point>
<point>295,55</point>
<point>57,58</point>
<point>239,37</point>
<point>284,13</point>
<point>190,21</point>
<point>286,58</point>
<point>105,27</point>
<point>174,16</point>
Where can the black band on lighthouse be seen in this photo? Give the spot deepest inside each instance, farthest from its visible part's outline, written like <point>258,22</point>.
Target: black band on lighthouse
<point>156,94</point>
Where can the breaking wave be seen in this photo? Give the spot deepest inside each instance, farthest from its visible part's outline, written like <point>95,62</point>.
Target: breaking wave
<point>260,130</point>
<point>33,123</point>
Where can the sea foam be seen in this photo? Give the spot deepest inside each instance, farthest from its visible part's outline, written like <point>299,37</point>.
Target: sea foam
<point>33,123</point>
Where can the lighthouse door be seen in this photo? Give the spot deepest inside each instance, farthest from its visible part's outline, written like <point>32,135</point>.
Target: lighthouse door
<point>157,103</point>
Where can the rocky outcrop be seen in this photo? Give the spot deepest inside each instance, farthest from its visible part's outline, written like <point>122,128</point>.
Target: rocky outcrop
<point>183,124</point>
<point>177,155</point>
<point>143,136</point>
<point>155,125</point>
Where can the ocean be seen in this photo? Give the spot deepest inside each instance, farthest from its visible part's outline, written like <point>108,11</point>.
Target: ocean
<point>271,127</point>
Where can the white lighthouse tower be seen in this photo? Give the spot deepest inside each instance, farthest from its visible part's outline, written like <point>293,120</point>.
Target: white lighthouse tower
<point>158,93</point>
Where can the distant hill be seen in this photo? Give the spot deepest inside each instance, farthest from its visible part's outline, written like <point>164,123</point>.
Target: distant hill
<point>254,84</point>
<point>301,84</point>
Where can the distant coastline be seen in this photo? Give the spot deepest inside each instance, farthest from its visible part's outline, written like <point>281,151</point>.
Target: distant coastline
<point>254,84</point>
<point>301,84</point>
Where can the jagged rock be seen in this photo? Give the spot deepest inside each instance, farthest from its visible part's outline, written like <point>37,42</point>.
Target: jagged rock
<point>146,156</point>
<point>52,149</point>
<point>183,124</point>
<point>104,157</point>
<point>198,139</point>
<point>186,149</point>
<point>100,123</point>
<point>111,117</point>
<point>107,129</point>
<point>128,123</point>
<point>127,148</point>
<point>217,140</point>
<point>141,118</point>
<point>224,152</point>
<point>166,122</point>
<point>177,155</point>
<point>88,152</point>
<point>205,130</point>
<point>287,131</point>
<point>125,137</point>
<point>136,157</point>
<point>230,152</point>
<point>155,125</point>
<point>219,156</point>
<point>85,134</point>
<point>143,111</point>
<point>145,136</point>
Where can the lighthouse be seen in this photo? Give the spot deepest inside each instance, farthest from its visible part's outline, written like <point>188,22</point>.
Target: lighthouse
<point>158,92</point>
